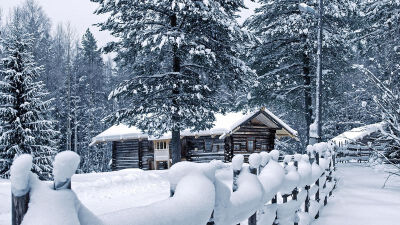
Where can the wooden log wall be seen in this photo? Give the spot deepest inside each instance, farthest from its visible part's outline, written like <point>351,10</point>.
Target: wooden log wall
<point>132,154</point>
<point>125,154</point>
<point>263,139</point>
<point>208,148</point>
<point>147,154</point>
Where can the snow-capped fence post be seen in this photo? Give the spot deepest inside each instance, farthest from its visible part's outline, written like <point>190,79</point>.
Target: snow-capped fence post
<point>295,191</point>
<point>65,165</point>
<point>317,183</point>
<point>237,162</point>
<point>275,156</point>
<point>20,176</point>
<point>254,162</point>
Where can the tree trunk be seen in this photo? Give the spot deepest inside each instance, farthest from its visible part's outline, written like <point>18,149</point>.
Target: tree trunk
<point>307,94</point>
<point>318,99</point>
<point>176,130</point>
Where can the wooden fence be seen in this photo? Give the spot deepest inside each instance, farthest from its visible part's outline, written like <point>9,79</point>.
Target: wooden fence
<point>302,203</point>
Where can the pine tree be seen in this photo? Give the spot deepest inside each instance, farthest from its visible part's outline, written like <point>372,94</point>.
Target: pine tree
<point>181,55</point>
<point>25,128</point>
<point>90,103</point>
<point>285,58</point>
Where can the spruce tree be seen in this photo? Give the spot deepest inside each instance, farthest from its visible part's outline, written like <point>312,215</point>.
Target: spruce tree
<point>285,57</point>
<point>182,57</point>
<point>24,110</point>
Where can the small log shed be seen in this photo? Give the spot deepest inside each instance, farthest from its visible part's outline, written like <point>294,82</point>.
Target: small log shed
<point>233,133</point>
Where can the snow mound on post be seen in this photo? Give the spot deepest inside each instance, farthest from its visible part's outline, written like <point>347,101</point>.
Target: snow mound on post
<point>297,157</point>
<point>241,204</point>
<point>61,207</point>
<point>321,147</point>
<point>271,178</point>
<point>20,172</point>
<point>181,169</point>
<point>305,171</point>
<point>254,160</point>
<point>316,171</point>
<point>287,159</point>
<point>265,157</point>
<point>274,155</point>
<point>192,204</point>
<point>310,149</point>
<point>237,162</point>
<point>291,180</point>
<point>65,165</point>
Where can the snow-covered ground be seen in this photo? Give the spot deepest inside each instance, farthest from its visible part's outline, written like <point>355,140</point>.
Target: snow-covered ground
<point>359,198</point>
<point>106,192</point>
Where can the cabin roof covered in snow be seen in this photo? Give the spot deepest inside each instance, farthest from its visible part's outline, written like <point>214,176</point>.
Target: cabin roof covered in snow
<point>224,125</point>
<point>358,133</point>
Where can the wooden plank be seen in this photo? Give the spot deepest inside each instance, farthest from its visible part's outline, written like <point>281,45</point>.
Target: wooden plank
<point>19,207</point>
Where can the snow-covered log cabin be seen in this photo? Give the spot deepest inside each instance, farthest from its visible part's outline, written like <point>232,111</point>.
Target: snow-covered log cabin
<point>233,133</point>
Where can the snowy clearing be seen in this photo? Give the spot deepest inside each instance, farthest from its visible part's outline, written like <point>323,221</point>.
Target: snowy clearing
<point>360,200</point>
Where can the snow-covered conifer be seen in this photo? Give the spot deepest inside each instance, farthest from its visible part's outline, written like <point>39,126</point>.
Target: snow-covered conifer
<point>23,107</point>
<point>183,61</point>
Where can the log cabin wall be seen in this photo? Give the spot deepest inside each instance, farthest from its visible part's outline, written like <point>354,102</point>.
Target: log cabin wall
<point>203,148</point>
<point>125,154</point>
<point>131,154</point>
<point>147,154</point>
<point>250,138</point>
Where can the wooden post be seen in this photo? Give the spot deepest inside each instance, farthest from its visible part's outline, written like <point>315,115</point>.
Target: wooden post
<point>307,202</point>
<point>317,184</point>
<point>236,172</point>
<point>275,201</point>
<point>253,218</point>
<point>294,195</point>
<point>19,207</point>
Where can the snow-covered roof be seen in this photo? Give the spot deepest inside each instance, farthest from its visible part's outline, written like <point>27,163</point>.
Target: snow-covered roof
<point>224,125</point>
<point>358,133</point>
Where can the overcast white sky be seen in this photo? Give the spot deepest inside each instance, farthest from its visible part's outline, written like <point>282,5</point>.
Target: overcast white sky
<point>79,13</point>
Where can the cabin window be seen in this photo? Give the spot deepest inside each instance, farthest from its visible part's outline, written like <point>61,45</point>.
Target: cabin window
<point>160,145</point>
<point>207,145</point>
<point>263,147</point>
<point>215,148</point>
<point>250,145</point>
<point>236,147</point>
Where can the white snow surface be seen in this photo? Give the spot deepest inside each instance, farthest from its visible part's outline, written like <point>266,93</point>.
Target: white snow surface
<point>274,155</point>
<point>358,199</point>
<point>357,133</point>
<point>271,177</point>
<point>62,207</point>
<point>20,174</point>
<point>291,180</point>
<point>265,157</point>
<point>192,204</point>
<point>237,162</point>
<point>65,165</point>
<point>234,207</point>
<point>182,169</point>
<point>254,160</point>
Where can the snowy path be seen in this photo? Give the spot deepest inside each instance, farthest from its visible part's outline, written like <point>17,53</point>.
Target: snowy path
<point>360,200</point>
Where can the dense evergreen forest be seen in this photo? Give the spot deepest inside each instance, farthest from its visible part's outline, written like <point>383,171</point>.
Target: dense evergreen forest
<point>179,63</point>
